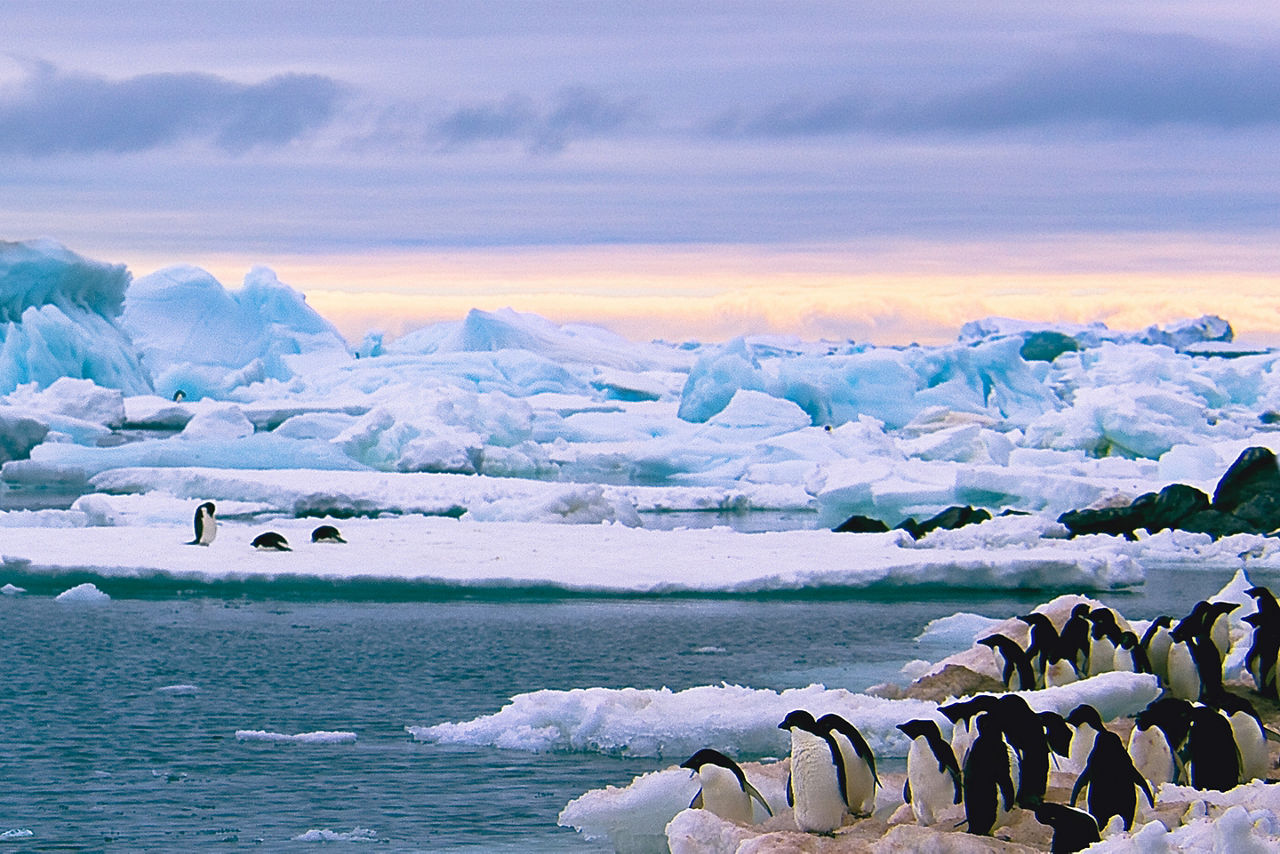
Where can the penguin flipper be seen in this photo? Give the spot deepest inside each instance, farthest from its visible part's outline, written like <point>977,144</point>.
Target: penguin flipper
<point>906,791</point>
<point>791,793</point>
<point>754,793</point>
<point>1270,734</point>
<point>696,803</point>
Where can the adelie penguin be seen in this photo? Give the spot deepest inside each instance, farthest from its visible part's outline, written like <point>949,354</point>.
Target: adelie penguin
<point>1073,829</point>
<point>326,534</point>
<point>860,779</point>
<point>1112,782</point>
<point>815,786</point>
<point>270,541</point>
<point>1087,723</point>
<point>989,791</point>
<point>933,775</point>
<point>206,524</point>
<point>724,790</point>
<point>1213,760</point>
<point>1015,662</point>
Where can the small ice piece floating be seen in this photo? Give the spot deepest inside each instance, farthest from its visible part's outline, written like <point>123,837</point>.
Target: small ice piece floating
<point>12,590</point>
<point>86,592</point>
<point>355,834</point>
<point>317,737</point>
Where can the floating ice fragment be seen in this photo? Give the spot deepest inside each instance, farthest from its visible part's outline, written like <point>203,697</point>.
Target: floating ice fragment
<point>318,737</point>
<point>87,592</point>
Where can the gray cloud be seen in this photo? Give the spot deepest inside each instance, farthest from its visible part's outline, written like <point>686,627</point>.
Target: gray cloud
<point>1118,80</point>
<point>572,113</point>
<point>52,112</point>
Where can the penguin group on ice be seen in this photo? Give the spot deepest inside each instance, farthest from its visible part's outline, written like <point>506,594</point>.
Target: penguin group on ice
<point>206,528</point>
<point>1000,755</point>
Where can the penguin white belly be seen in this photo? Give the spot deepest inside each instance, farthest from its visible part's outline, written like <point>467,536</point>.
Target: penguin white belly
<point>1123,661</point>
<point>1102,656</point>
<point>1252,744</point>
<point>819,806</point>
<point>861,784</point>
<point>1184,679</point>
<point>1060,673</point>
<point>1080,748</point>
<point>932,791</point>
<point>961,739</point>
<point>1149,750</point>
<point>723,795</point>
<point>1220,634</point>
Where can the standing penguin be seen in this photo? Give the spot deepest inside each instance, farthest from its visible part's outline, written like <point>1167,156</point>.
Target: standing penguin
<point>1104,637</point>
<point>1074,638</point>
<point>961,715</point>
<point>206,524</point>
<point>1131,656</point>
<point>1172,716</point>
<point>1156,642</point>
<point>933,775</point>
<point>1150,751</point>
<point>1014,661</point>
<point>815,786</point>
<point>1088,723</point>
<point>1213,760</point>
<point>859,763</point>
<point>1196,636</point>
<point>1044,642</point>
<point>1250,736</point>
<point>1264,651</point>
<point>1073,830</point>
<point>724,788</point>
<point>1111,780</point>
<point>1218,626</point>
<point>989,792</point>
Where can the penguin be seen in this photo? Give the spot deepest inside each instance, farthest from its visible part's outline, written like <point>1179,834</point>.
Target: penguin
<point>724,788</point>
<point>961,714</point>
<point>1104,637</point>
<point>326,534</point>
<point>1111,780</point>
<point>1172,717</point>
<point>1196,636</point>
<point>1088,723</point>
<point>1263,654</point>
<point>1074,637</point>
<point>933,774</point>
<point>271,541</point>
<point>1024,731</point>
<point>1131,656</point>
<point>1156,643</point>
<point>1213,760</point>
<point>989,791</point>
<point>1150,751</point>
<point>1044,642</point>
<point>1250,736</point>
<point>179,396</point>
<point>1014,660</point>
<point>1184,678</point>
<point>860,780</point>
<point>206,524</point>
<point>1218,626</point>
<point>816,784</point>
<point>1060,670</point>
<point>1073,829</point>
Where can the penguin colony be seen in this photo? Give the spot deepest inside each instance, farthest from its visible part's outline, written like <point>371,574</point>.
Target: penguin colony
<point>999,753</point>
<point>206,528</point>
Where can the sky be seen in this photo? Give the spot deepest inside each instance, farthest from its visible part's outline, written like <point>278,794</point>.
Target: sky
<point>866,170</point>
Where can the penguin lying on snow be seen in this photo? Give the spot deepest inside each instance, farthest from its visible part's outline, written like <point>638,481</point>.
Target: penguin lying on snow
<point>326,534</point>
<point>271,541</point>
<point>933,775</point>
<point>725,790</point>
<point>206,524</point>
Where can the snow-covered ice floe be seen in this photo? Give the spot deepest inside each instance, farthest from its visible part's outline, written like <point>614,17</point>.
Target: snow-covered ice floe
<point>317,737</point>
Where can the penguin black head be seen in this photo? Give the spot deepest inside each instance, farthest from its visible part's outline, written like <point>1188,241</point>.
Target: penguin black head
<point>1255,619</point>
<point>326,534</point>
<point>179,396</point>
<point>800,719</point>
<point>1081,610</point>
<point>835,723</point>
<point>1073,829</point>
<point>1129,640</point>
<point>709,756</point>
<point>966,709</point>
<point>921,728</point>
<point>1086,714</point>
<point>1219,609</point>
<point>1056,732</point>
<point>1232,703</point>
<point>271,541</point>
<point>1263,596</point>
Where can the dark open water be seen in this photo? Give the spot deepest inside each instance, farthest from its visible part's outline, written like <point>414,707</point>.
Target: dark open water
<point>100,751</point>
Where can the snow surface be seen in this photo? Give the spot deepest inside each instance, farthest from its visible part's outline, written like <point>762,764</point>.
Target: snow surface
<point>505,450</point>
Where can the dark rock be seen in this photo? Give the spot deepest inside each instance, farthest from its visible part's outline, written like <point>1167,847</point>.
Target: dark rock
<point>1116,521</point>
<point>1262,511</point>
<point>911,526</point>
<point>1046,345</point>
<point>954,517</point>
<point>1253,473</point>
<point>1217,524</point>
<point>1170,506</point>
<point>856,524</point>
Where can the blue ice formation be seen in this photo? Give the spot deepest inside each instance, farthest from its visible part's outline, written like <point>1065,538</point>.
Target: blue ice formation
<point>60,314</point>
<point>196,336</point>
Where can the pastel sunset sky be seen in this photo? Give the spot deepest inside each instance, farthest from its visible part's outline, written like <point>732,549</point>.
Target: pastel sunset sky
<point>879,171</point>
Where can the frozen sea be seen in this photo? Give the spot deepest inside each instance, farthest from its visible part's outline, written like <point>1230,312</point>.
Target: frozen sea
<point>122,716</point>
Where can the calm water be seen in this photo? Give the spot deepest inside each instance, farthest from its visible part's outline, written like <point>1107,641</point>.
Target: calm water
<point>95,755</point>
